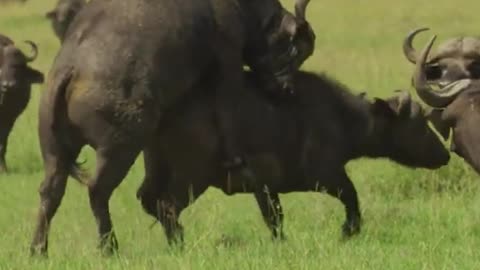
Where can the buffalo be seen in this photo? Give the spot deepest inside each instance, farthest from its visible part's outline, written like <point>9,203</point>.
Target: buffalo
<point>125,63</point>
<point>16,79</point>
<point>290,147</point>
<point>63,14</point>
<point>455,68</point>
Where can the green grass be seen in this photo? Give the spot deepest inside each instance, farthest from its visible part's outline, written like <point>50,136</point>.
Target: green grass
<point>414,219</point>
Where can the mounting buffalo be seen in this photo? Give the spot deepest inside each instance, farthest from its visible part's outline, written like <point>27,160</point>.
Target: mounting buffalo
<point>16,79</point>
<point>291,148</point>
<point>455,69</point>
<point>125,63</point>
<point>63,14</point>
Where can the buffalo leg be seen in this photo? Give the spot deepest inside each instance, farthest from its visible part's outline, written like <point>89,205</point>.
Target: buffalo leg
<point>154,194</point>
<point>166,210</point>
<point>3,151</point>
<point>272,212</point>
<point>156,180</point>
<point>52,189</point>
<point>343,189</point>
<point>112,167</point>
<point>155,198</point>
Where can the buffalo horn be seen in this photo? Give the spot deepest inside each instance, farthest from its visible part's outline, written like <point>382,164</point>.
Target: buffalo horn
<point>34,51</point>
<point>301,8</point>
<point>408,50</point>
<point>442,97</point>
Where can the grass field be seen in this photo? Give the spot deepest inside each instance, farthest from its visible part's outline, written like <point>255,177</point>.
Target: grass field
<point>413,219</point>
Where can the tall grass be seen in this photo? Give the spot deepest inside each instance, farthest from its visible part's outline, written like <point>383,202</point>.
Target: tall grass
<point>414,219</point>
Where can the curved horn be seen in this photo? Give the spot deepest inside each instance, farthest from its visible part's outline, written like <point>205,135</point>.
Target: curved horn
<point>408,50</point>
<point>34,50</point>
<point>443,97</point>
<point>301,8</point>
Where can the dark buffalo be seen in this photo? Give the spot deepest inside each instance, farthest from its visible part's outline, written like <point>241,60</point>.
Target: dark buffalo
<point>63,14</point>
<point>290,148</point>
<point>125,62</point>
<point>16,78</point>
<point>456,105</point>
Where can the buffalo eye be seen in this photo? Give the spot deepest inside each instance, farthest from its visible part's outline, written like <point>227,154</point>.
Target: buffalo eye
<point>474,69</point>
<point>433,72</point>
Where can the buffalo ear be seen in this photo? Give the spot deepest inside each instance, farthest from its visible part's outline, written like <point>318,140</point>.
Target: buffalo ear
<point>435,116</point>
<point>51,14</point>
<point>34,76</point>
<point>381,107</point>
<point>404,100</point>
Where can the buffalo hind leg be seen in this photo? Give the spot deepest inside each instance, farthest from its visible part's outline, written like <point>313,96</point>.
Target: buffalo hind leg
<point>343,189</point>
<point>272,212</point>
<point>52,189</point>
<point>112,167</point>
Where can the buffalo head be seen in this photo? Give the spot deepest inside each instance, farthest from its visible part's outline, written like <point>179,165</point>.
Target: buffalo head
<point>290,41</point>
<point>62,16</point>
<point>410,140</point>
<point>451,68</point>
<point>15,72</point>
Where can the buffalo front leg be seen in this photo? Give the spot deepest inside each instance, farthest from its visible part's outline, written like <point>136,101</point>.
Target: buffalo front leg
<point>165,209</point>
<point>112,166</point>
<point>3,149</point>
<point>154,194</point>
<point>342,188</point>
<point>272,212</point>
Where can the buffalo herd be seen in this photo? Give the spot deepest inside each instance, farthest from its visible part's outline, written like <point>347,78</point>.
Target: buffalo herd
<point>167,80</point>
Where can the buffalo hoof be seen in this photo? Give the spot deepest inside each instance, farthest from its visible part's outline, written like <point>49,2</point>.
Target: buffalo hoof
<point>38,252</point>
<point>279,237</point>
<point>176,240</point>
<point>3,169</point>
<point>351,228</point>
<point>108,245</point>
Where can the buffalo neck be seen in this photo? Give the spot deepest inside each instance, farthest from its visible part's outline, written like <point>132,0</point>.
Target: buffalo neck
<point>372,142</point>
